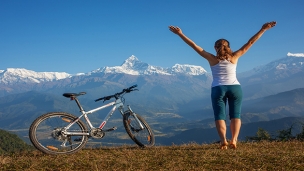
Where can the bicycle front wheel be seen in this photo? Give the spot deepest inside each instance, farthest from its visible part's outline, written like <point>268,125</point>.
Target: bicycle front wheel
<point>142,137</point>
<point>46,133</point>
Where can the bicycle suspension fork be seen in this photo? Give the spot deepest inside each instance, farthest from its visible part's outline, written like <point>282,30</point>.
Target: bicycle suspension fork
<point>135,117</point>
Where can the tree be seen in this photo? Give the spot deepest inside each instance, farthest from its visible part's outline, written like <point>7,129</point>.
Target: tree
<point>285,134</point>
<point>260,135</point>
<point>300,136</point>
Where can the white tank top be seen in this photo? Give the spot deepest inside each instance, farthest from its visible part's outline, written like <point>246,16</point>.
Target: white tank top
<point>224,73</point>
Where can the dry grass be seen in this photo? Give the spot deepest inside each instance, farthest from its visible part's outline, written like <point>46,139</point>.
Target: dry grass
<point>248,156</point>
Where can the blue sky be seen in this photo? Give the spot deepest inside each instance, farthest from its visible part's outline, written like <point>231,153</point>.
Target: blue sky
<point>76,36</point>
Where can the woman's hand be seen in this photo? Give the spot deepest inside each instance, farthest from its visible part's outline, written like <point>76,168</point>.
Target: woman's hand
<point>175,30</point>
<point>269,25</point>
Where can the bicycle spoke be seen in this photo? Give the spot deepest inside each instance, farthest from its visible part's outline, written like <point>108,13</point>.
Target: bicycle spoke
<point>46,134</point>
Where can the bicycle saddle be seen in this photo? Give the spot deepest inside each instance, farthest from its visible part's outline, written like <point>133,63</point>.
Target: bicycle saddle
<point>68,95</point>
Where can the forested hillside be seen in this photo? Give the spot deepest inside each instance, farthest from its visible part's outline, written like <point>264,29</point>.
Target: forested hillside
<point>10,143</point>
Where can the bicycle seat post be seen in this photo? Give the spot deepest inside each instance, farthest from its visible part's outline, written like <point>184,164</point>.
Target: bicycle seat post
<point>78,104</point>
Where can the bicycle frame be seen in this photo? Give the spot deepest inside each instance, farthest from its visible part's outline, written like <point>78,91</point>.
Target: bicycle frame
<point>116,104</point>
<point>64,133</point>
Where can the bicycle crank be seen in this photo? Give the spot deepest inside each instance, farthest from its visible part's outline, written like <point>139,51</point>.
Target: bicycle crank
<point>97,133</point>
<point>111,129</point>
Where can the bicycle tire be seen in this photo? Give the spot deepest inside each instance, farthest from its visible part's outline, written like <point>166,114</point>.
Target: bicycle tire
<point>143,138</point>
<point>45,135</point>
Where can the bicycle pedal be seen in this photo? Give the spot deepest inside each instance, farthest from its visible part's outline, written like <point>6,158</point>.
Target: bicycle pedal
<point>111,129</point>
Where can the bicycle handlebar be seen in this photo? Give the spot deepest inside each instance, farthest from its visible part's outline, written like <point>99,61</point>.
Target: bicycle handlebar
<point>116,95</point>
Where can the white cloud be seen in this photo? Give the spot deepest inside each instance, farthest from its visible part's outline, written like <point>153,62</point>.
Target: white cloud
<point>295,54</point>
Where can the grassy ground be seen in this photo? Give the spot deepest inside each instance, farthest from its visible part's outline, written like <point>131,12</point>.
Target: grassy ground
<point>248,156</point>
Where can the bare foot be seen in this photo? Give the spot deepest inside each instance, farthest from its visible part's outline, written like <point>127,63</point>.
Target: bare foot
<point>224,146</point>
<point>232,145</point>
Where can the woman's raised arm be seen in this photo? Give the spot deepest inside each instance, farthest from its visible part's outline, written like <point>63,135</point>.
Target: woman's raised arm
<point>197,48</point>
<point>253,39</point>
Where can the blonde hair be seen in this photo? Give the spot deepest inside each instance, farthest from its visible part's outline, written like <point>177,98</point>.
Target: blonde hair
<point>224,52</point>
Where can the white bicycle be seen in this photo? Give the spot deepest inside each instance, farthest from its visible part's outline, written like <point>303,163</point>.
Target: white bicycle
<point>64,133</point>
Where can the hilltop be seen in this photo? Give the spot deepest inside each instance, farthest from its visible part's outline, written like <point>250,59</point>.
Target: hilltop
<point>248,156</point>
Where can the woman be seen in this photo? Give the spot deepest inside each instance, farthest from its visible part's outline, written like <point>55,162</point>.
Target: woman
<point>225,86</point>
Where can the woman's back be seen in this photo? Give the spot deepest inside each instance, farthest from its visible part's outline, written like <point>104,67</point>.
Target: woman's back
<point>224,73</point>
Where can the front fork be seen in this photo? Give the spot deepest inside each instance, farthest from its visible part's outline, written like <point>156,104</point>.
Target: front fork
<point>135,117</point>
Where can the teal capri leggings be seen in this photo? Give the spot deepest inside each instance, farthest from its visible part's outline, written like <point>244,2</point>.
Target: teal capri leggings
<point>220,95</point>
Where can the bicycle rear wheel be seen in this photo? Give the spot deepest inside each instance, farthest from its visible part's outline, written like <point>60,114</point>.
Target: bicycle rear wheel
<point>45,133</point>
<point>142,137</point>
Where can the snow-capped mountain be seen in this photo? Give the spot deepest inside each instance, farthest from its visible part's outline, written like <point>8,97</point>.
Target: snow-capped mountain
<point>21,75</point>
<point>133,66</point>
<point>289,63</point>
<point>283,64</point>
<point>281,75</point>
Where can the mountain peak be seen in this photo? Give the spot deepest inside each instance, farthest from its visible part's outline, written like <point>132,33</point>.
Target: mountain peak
<point>134,66</point>
<point>132,58</point>
<point>131,62</point>
<point>188,69</point>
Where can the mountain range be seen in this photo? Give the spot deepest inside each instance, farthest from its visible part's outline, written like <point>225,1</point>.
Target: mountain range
<point>131,66</point>
<point>171,99</point>
<point>279,74</point>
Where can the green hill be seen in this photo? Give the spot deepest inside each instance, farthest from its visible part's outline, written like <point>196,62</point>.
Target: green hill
<point>11,143</point>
